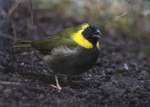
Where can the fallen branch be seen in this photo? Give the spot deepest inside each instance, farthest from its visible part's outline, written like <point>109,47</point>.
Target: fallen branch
<point>9,83</point>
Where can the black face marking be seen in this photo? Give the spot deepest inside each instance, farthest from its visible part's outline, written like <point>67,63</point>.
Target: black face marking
<point>91,33</point>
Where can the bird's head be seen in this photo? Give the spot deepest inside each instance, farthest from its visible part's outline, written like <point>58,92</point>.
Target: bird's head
<point>92,33</point>
<point>88,36</point>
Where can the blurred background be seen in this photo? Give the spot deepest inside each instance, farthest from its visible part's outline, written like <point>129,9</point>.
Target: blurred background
<point>128,17</point>
<point>131,17</point>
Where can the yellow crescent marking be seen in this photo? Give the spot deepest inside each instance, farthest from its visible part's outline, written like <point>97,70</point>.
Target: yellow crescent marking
<point>80,39</point>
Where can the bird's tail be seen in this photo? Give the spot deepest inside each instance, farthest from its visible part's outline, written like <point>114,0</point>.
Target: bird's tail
<point>23,44</point>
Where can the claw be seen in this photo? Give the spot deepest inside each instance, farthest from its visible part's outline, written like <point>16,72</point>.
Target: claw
<point>57,86</point>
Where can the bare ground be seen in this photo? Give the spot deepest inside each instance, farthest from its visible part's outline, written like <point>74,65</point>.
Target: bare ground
<point>121,77</point>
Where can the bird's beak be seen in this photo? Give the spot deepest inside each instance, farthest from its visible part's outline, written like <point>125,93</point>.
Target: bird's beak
<point>98,34</point>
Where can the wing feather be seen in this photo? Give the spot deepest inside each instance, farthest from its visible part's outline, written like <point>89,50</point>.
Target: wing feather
<point>54,41</point>
<point>61,53</point>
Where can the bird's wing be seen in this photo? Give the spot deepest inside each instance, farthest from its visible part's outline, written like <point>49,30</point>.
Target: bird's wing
<point>61,55</point>
<point>54,41</point>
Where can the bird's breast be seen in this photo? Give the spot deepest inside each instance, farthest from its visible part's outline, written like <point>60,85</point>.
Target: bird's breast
<point>71,60</point>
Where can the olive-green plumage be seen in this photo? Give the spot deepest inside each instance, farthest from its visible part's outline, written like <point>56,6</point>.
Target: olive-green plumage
<point>73,51</point>
<point>56,40</point>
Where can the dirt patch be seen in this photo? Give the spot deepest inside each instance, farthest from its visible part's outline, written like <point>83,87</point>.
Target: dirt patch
<point>119,79</point>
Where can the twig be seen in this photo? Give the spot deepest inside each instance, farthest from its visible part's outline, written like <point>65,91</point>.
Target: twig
<point>120,16</point>
<point>23,85</point>
<point>31,11</point>
<point>9,83</point>
<point>2,12</point>
<point>14,7</point>
<point>14,31</point>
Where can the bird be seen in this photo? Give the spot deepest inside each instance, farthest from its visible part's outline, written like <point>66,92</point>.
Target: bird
<point>70,52</point>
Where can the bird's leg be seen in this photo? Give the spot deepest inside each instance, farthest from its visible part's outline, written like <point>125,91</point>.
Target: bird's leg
<point>57,84</point>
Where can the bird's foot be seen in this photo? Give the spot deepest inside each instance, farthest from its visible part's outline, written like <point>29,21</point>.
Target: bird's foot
<point>58,87</point>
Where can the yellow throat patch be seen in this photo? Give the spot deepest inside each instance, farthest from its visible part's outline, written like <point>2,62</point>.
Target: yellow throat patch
<point>81,40</point>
